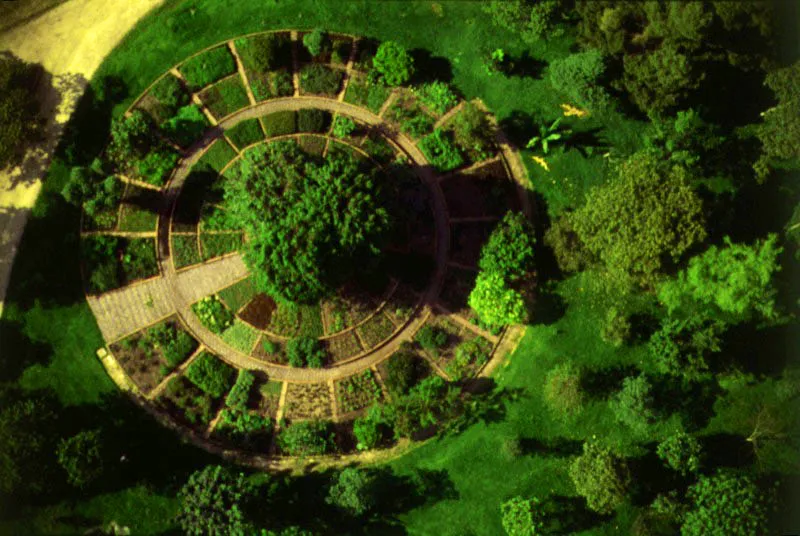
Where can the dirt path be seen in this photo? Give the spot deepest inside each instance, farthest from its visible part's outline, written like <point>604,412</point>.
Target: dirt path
<point>69,41</point>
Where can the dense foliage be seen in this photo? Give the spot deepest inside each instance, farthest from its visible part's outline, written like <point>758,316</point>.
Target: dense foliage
<point>305,352</point>
<point>18,107</point>
<point>307,438</point>
<point>601,477</point>
<point>726,504</point>
<point>522,517</point>
<point>531,20</point>
<point>632,405</point>
<point>324,214</point>
<point>393,63</point>
<point>681,452</point>
<point>578,76</point>
<point>353,491</point>
<point>780,131</point>
<point>210,374</point>
<point>211,502</point>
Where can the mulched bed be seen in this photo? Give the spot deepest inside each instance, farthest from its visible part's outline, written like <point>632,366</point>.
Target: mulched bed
<point>357,392</point>
<point>258,312</point>
<point>458,283</point>
<point>307,401</point>
<point>488,192</point>
<point>269,397</point>
<point>270,350</point>
<point>401,304</point>
<point>455,335</point>
<point>467,239</point>
<point>285,320</point>
<point>343,346</point>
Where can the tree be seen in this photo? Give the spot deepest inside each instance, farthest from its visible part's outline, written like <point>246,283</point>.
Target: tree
<point>616,329</point>
<point>18,107</point>
<point>509,250</point>
<point>393,63</point>
<point>681,452</point>
<point>779,132</point>
<point>734,283</point>
<point>314,41</point>
<point>682,347</point>
<point>495,303</point>
<point>522,517</point>
<point>431,402</point>
<point>578,77</point>
<point>570,253</point>
<point>632,405</point>
<point>81,457</point>
<point>353,491</point>
<point>369,429</point>
<point>600,477</point>
<point>726,504</point>
<point>530,20</point>
<point>660,80</point>
<point>212,503</point>
<point>645,214</point>
<point>326,218</point>
<point>307,438</point>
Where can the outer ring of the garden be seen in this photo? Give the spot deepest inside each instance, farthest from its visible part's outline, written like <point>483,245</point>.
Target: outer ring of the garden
<point>281,372</point>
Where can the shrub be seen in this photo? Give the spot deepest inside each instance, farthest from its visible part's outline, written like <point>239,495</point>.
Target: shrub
<point>208,67</point>
<point>312,120</point>
<point>169,92</point>
<point>213,314</point>
<point>577,76</point>
<point>243,426</point>
<point>563,393</point>
<point>306,352</point>
<point>474,352</point>
<point>632,405</point>
<point>18,108</point>
<point>174,343</point>
<point>353,491</point>
<point>393,63</point>
<point>211,502</point>
<point>186,126</point>
<point>600,477</point>
<point>210,374</point>
<point>81,457</point>
<point>417,125</point>
<point>431,338</point>
<point>280,123</point>
<point>315,41</point>
<point>401,370</point>
<point>307,438</point>
<point>265,52</point>
<point>369,429</point>
<point>156,166</point>
<point>318,79</point>
<point>522,517</point>
<point>681,452</point>
<point>437,96</point>
<point>509,250</point>
<point>473,131</point>
<point>440,151</point>
<point>495,302</point>
<point>240,393</point>
<point>343,126</point>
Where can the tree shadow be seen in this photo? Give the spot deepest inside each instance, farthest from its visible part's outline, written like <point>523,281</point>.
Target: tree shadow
<point>694,401</point>
<point>523,66</point>
<point>568,515</point>
<point>519,127</point>
<point>429,68</point>
<point>652,477</point>
<point>728,450</point>
<point>558,446</point>
<point>603,382</point>
<point>586,142</point>
<point>19,350</point>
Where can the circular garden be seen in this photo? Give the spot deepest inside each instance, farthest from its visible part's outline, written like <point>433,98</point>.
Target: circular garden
<point>281,239</point>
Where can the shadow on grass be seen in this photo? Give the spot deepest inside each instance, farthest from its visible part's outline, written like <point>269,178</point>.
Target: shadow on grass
<point>550,447</point>
<point>429,68</point>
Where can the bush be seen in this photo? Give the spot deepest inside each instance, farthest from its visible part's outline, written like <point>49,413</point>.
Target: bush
<point>169,92</point>
<point>174,343</point>
<point>473,131</point>
<point>307,438</point>
<point>563,393</point>
<point>240,393</point>
<point>343,126</point>
<point>210,374</point>
<point>683,347</point>
<point>681,452</point>
<point>401,369</point>
<point>306,352</point>
<point>320,80</point>
<point>393,63</point>
<point>437,96</point>
<point>81,458</point>
<point>315,41</point>
<point>431,338</point>
<point>213,314</point>
<point>522,517</point>
<point>312,120</point>
<point>156,167</point>
<point>468,354</point>
<point>353,491</point>
<point>509,250</point>
<point>280,123</point>
<point>600,477</point>
<point>265,52</point>
<point>440,151</point>
<point>369,429</point>
<point>495,302</point>
<point>208,67</point>
<point>577,76</point>
<point>632,405</point>
<point>186,126</point>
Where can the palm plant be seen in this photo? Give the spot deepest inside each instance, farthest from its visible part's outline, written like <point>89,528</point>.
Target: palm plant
<point>548,135</point>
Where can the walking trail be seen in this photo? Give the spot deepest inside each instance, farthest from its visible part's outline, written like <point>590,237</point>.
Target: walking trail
<point>69,41</point>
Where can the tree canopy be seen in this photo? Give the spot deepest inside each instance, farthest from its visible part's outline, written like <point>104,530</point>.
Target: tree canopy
<point>211,502</point>
<point>644,216</point>
<point>324,215</point>
<point>601,477</point>
<point>18,107</point>
<point>726,504</point>
<point>393,63</point>
<point>779,132</point>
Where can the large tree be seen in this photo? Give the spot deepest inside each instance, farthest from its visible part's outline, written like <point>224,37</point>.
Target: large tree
<point>726,504</point>
<point>18,107</point>
<point>780,130</point>
<point>733,283</point>
<point>308,221</point>
<point>353,491</point>
<point>643,217</point>
<point>601,477</point>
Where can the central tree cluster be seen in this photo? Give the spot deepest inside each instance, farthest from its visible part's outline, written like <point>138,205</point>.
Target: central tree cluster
<point>308,220</point>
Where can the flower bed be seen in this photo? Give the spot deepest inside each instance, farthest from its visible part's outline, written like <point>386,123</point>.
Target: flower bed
<point>357,392</point>
<point>375,330</point>
<point>307,401</point>
<point>343,346</point>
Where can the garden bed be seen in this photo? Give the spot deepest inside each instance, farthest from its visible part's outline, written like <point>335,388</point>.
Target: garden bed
<point>213,314</point>
<point>284,320</point>
<point>269,397</point>
<point>241,336</point>
<point>245,133</point>
<point>111,262</point>
<point>214,245</point>
<point>258,312</point>
<point>217,156</point>
<point>409,116</point>
<point>307,401</point>
<point>267,61</point>
<point>279,123</point>
<point>184,250</point>
<point>208,67</point>
<point>270,350</point>
<point>317,79</point>
<point>376,330</point>
<point>361,93</point>
<point>184,401</point>
<point>357,392</point>
<point>401,304</point>
<point>199,187</point>
<point>455,334</point>
<point>226,97</point>
<point>343,346</point>
<point>140,209</point>
<point>239,294</point>
<point>313,145</point>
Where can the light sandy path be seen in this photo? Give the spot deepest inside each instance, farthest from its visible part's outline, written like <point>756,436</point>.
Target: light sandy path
<point>69,41</point>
